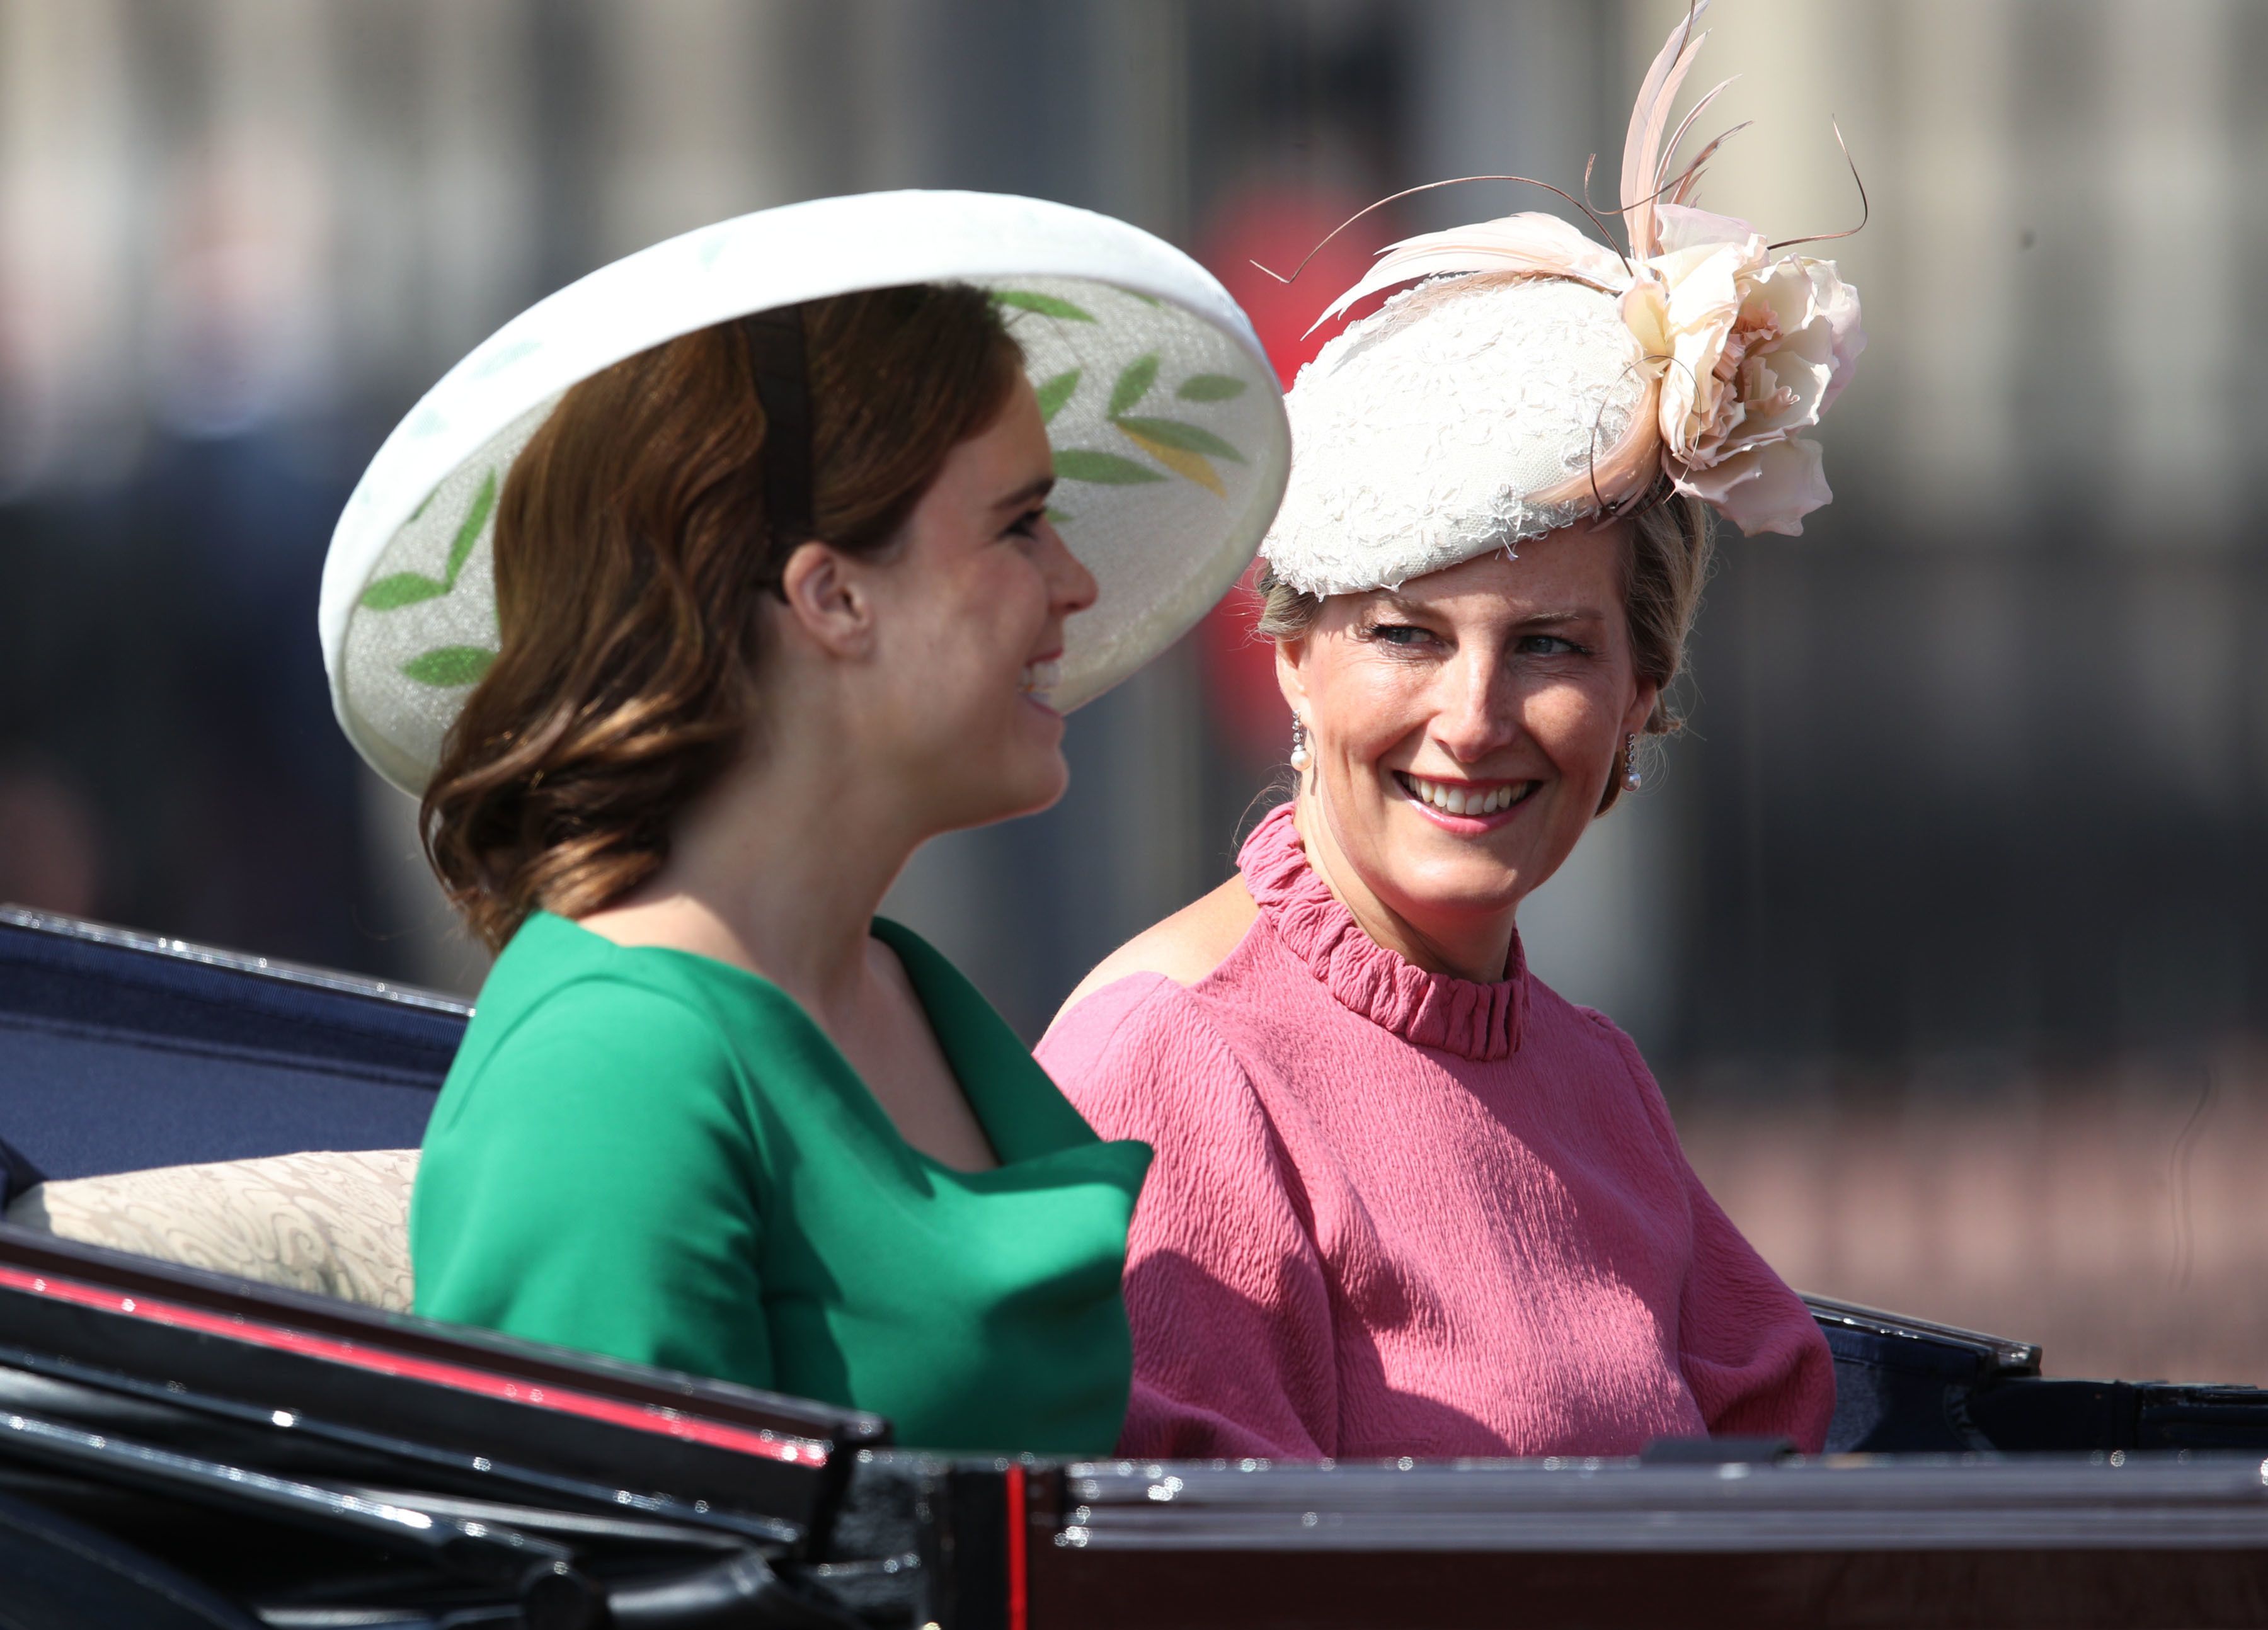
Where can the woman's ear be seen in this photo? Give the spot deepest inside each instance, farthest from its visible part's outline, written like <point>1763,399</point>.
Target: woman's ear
<point>1290,655</point>
<point>1641,707</point>
<point>826,595</point>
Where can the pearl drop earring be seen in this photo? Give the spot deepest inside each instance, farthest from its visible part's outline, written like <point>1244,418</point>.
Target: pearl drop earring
<point>1300,756</point>
<point>1631,779</point>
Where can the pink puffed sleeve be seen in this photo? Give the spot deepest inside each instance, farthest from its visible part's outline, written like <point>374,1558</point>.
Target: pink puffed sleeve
<point>1749,1349</point>
<point>1226,1292</point>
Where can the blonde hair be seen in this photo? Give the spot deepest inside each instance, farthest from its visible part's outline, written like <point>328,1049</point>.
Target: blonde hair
<point>1665,567</point>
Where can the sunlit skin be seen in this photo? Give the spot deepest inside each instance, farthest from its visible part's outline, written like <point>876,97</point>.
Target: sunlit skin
<point>983,590</point>
<point>1495,673</point>
<point>892,708</point>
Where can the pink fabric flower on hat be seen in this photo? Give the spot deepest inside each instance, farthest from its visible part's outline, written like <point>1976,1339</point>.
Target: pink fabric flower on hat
<point>1749,351</point>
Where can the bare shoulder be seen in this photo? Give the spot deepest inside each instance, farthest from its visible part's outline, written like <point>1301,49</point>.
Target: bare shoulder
<point>1185,947</point>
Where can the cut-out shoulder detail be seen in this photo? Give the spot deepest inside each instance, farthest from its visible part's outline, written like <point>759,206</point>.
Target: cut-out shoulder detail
<point>1184,948</point>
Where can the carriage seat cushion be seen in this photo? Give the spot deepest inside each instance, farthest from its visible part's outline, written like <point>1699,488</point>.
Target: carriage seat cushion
<point>336,1223</point>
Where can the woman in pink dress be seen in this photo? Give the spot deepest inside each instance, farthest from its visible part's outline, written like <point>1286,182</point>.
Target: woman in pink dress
<point>1408,1200</point>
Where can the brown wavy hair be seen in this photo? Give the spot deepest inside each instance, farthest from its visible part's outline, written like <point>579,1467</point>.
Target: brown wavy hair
<point>632,562</point>
<point>1663,572</point>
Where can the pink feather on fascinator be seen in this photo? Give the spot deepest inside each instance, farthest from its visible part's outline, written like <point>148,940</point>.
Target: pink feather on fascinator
<point>1741,350</point>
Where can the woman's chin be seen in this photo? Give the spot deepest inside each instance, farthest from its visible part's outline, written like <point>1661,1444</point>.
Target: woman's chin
<point>1462,892</point>
<point>1460,873</point>
<point>1045,786</point>
<point>1022,782</point>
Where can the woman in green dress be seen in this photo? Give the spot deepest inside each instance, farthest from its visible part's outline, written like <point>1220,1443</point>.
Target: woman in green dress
<point>776,596</point>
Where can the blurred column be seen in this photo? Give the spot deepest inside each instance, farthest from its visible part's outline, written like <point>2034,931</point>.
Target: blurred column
<point>700,111</point>
<point>1950,279</point>
<point>883,96</point>
<point>2171,314</point>
<point>1137,53</point>
<point>440,238</point>
<point>1529,90</point>
<point>2170,183</point>
<point>475,187</point>
<point>245,327</point>
<point>69,234</point>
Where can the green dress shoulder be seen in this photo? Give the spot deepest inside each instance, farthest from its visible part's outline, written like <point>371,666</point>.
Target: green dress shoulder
<point>657,1156</point>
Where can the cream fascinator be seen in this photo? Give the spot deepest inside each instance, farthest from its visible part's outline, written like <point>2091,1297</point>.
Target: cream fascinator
<point>1170,442</point>
<point>1536,377</point>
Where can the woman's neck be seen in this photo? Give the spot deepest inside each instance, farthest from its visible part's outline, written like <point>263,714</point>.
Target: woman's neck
<point>1476,945</point>
<point>779,869</point>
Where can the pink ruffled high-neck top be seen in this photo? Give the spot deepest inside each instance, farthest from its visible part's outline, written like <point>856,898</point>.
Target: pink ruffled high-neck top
<point>1397,1213</point>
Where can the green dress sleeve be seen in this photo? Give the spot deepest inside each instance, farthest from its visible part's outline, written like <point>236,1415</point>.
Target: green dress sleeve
<point>597,1183</point>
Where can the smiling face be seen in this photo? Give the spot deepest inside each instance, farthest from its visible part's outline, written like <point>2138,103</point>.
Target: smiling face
<point>1462,732</point>
<point>969,617</point>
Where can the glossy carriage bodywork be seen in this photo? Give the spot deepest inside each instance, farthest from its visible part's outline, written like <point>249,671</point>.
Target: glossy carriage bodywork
<point>307,1462</point>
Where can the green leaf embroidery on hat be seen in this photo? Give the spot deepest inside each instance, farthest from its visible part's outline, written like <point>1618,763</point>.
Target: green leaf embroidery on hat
<point>469,532</point>
<point>398,589</point>
<point>402,588</point>
<point>1134,383</point>
<point>1210,387</point>
<point>447,666</point>
<point>1182,447</point>
<point>1188,465</point>
<point>1045,304</point>
<point>1174,433</point>
<point>1053,393</point>
<point>1080,464</point>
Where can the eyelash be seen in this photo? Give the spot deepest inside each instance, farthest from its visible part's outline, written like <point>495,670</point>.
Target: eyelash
<point>1026,526</point>
<point>1380,631</point>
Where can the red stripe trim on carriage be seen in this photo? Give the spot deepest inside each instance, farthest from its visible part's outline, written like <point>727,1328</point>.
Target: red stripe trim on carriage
<point>487,1383</point>
<point>1019,1603</point>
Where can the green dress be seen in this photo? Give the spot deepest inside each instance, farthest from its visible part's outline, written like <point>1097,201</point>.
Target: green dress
<point>657,1156</point>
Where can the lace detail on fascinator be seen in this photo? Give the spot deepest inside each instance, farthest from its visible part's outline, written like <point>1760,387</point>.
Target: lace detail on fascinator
<point>1536,376</point>
<point>1456,419</point>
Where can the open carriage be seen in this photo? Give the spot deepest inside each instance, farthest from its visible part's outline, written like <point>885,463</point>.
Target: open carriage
<point>185,1446</point>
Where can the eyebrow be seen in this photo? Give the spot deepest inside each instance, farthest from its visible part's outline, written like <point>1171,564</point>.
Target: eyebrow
<point>1031,492</point>
<point>1408,607</point>
<point>1567,613</point>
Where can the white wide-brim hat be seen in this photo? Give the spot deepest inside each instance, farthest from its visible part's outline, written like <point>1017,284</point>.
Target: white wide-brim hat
<point>1171,444</point>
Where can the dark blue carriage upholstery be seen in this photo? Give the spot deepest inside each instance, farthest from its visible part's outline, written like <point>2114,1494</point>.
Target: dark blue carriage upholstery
<point>121,1051</point>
